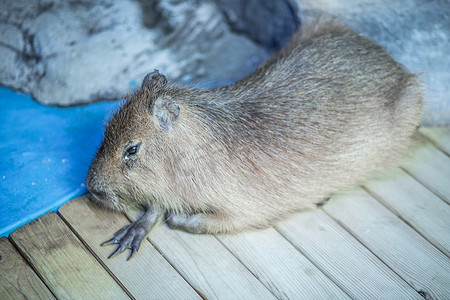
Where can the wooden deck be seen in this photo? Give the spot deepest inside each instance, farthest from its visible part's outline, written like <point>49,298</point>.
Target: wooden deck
<point>388,238</point>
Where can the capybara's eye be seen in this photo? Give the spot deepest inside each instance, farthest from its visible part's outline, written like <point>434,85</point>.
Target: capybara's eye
<point>131,151</point>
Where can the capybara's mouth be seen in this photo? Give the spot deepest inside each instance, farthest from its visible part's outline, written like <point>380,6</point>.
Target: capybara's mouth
<point>104,201</point>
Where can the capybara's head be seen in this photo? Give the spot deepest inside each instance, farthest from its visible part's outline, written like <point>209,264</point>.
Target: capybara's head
<point>128,169</point>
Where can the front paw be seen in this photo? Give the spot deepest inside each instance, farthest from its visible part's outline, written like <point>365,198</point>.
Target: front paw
<point>129,237</point>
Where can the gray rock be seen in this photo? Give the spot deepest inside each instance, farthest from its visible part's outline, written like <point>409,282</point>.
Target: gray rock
<point>267,22</point>
<point>415,32</point>
<point>72,52</point>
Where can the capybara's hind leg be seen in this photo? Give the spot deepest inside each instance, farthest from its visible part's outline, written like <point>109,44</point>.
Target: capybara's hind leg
<point>201,223</point>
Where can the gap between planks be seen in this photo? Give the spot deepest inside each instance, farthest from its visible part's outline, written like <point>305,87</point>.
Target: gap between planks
<point>280,266</point>
<point>18,279</point>
<point>416,205</point>
<point>95,256</point>
<point>429,166</point>
<point>438,136</point>
<point>62,261</point>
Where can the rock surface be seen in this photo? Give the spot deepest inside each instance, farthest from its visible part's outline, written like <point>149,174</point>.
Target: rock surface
<point>268,23</point>
<point>72,52</point>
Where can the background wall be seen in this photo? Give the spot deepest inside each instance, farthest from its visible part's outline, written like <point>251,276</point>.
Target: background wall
<point>72,52</point>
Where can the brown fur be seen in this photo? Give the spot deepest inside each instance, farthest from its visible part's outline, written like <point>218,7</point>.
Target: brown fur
<point>320,115</point>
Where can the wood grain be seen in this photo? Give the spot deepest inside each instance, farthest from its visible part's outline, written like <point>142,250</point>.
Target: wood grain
<point>66,266</point>
<point>17,279</point>
<point>207,265</point>
<point>415,204</point>
<point>439,136</point>
<point>343,259</point>
<point>431,167</point>
<point>284,270</point>
<point>406,252</point>
<point>147,276</point>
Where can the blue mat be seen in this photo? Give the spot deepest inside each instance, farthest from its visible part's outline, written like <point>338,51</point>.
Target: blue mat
<point>45,155</point>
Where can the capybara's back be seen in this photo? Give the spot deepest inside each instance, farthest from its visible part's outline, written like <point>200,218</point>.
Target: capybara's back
<point>326,111</point>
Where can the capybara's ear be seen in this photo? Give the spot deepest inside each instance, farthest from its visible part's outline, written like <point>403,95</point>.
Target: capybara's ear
<point>154,81</point>
<point>165,112</point>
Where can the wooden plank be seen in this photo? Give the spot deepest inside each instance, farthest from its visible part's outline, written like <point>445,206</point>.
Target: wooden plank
<point>284,270</point>
<point>415,204</point>
<point>343,259</point>
<point>17,279</point>
<point>407,253</point>
<point>439,136</point>
<point>431,167</point>
<point>207,265</point>
<point>147,275</point>
<point>65,265</point>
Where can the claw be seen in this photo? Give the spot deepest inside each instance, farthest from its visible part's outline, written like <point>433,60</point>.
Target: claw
<point>118,236</point>
<point>114,252</point>
<point>132,235</point>
<point>133,251</point>
<point>119,250</point>
<point>112,241</point>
